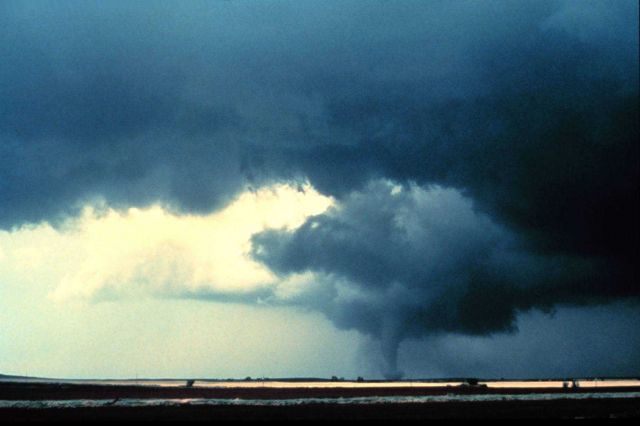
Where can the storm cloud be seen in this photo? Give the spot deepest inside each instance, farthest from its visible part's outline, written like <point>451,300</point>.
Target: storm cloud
<point>411,262</point>
<point>483,155</point>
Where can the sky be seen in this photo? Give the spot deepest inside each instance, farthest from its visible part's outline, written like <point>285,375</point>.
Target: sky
<point>307,189</point>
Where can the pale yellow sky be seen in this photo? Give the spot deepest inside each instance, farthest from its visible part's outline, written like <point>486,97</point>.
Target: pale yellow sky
<point>154,252</point>
<point>53,321</point>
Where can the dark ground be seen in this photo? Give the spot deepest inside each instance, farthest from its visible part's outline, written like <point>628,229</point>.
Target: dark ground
<point>59,391</point>
<point>590,408</point>
<point>565,408</point>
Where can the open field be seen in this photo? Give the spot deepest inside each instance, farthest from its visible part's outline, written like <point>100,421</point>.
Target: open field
<point>173,399</point>
<point>616,408</point>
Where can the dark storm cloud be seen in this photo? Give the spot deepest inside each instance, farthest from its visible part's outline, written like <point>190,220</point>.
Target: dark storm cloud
<point>537,124</point>
<point>417,262</point>
<point>186,103</point>
<point>528,108</point>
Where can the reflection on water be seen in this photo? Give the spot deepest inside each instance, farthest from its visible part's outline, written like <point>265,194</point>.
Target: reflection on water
<point>134,402</point>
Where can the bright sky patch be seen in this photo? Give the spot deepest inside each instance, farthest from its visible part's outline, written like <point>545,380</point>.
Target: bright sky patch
<point>106,254</point>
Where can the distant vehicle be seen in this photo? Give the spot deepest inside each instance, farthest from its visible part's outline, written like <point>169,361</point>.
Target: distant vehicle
<point>472,383</point>
<point>570,384</point>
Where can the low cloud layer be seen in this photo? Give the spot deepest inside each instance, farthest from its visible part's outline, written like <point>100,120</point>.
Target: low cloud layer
<point>399,262</point>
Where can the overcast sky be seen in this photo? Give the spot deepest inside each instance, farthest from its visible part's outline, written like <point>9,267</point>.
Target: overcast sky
<point>301,188</point>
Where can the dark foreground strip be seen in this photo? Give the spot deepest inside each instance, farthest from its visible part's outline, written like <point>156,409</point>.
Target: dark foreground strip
<point>50,391</point>
<point>588,408</point>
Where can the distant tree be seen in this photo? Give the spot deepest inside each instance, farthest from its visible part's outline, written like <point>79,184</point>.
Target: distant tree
<point>360,379</point>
